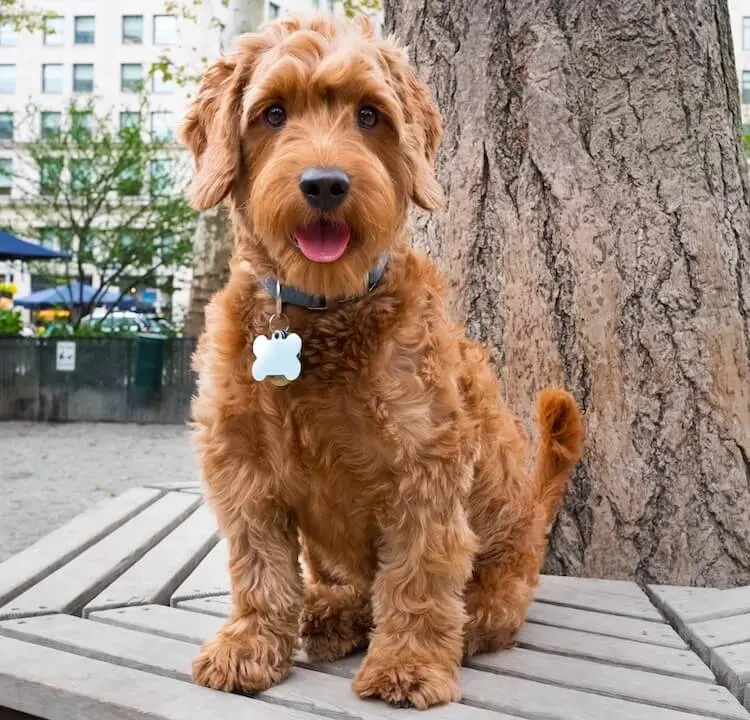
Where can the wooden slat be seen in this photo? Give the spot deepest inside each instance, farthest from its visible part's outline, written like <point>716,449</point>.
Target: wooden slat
<point>696,607</point>
<point>537,700</point>
<point>70,587</point>
<point>219,606</point>
<point>625,683</point>
<point>714,633</point>
<point>51,552</point>
<point>628,653</point>
<point>617,587</point>
<point>211,577</point>
<point>732,666</point>
<point>58,685</point>
<point>602,624</point>
<point>159,571</point>
<point>591,597</point>
<point>174,486</point>
<point>321,694</point>
<point>159,620</point>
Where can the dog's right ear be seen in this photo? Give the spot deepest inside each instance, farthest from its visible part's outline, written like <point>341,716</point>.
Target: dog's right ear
<point>211,131</point>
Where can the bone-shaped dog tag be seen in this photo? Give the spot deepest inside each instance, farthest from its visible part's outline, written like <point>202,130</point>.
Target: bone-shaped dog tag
<point>277,358</point>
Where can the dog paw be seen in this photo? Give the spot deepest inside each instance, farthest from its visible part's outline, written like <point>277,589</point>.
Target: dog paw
<point>239,663</point>
<point>334,623</point>
<point>408,683</point>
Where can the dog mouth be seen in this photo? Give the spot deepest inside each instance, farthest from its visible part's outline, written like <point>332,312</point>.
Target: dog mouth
<point>323,241</point>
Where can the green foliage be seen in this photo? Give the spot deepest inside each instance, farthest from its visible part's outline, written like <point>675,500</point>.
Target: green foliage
<point>365,7</point>
<point>23,17</point>
<point>746,139</point>
<point>10,322</point>
<point>114,198</point>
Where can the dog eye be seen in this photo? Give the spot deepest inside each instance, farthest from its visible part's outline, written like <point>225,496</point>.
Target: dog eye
<point>368,117</point>
<point>274,116</point>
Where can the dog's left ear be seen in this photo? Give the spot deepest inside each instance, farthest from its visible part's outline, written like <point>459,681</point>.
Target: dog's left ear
<point>422,132</point>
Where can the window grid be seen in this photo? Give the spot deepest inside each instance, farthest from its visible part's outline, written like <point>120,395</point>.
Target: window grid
<point>84,30</point>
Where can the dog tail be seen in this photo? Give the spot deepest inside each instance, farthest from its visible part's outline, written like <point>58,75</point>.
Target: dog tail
<point>560,446</point>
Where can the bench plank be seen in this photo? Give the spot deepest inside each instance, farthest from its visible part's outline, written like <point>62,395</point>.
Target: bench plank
<point>57,685</point>
<point>628,653</point>
<point>715,633</point>
<point>695,607</point>
<point>603,624</point>
<point>52,551</point>
<point>314,692</point>
<point>732,666</point>
<point>592,598</point>
<point>219,605</point>
<point>70,587</point>
<point>163,621</point>
<point>154,576</point>
<point>211,577</point>
<point>617,587</point>
<point>625,683</point>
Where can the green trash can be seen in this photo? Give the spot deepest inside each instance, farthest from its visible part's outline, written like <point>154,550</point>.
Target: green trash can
<point>149,364</point>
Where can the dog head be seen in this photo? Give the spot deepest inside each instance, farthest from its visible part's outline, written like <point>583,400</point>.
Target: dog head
<point>319,134</point>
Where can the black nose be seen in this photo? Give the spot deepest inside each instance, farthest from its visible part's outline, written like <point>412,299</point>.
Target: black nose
<point>324,188</point>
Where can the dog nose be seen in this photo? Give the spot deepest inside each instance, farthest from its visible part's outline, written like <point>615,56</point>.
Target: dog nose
<point>324,188</point>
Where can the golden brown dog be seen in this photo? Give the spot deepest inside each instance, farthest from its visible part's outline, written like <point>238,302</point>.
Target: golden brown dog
<point>391,464</point>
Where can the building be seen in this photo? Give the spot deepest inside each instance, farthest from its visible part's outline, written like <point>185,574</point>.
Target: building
<point>739,16</point>
<point>102,51</point>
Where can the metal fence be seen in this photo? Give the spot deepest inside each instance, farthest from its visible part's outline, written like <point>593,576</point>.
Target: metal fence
<point>141,379</point>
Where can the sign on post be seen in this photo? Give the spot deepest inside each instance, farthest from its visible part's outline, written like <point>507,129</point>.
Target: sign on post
<point>66,356</point>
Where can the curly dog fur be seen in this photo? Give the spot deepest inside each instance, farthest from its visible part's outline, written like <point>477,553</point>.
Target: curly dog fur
<point>392,465</point>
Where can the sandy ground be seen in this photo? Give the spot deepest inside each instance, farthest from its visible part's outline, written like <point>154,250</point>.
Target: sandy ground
<point>50,473</point>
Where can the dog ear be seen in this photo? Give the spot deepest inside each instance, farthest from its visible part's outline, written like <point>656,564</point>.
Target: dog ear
<point>211,131</point>
<point>423,128</point>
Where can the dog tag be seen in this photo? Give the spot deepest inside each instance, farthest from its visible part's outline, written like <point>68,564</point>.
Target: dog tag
<point>277,357</point>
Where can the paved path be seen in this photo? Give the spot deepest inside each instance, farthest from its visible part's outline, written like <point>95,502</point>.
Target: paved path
<point>51,473</point>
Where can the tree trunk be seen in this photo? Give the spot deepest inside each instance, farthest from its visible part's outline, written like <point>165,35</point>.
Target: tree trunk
<point>596,234</point>
<point>214,241</point>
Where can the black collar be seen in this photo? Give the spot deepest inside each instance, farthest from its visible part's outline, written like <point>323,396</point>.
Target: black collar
<point>292,296</point>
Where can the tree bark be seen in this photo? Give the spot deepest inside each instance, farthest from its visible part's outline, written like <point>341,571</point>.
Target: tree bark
<point>214,241</point>
<point>596,234</point>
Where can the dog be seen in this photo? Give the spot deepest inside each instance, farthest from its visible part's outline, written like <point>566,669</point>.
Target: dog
<point>379,498</point>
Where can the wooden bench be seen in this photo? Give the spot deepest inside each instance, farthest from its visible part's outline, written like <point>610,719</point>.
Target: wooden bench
<point>101,619</point>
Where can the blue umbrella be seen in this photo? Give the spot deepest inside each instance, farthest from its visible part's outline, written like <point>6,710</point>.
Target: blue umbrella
<point>13,248</point>
<point>72,294</point>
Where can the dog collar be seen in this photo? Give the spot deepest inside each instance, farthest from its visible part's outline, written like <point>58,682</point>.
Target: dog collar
<point>292,296</point>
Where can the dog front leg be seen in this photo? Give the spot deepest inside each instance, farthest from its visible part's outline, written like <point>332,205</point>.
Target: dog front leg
<point>254,649</point>
<point>425,562</point>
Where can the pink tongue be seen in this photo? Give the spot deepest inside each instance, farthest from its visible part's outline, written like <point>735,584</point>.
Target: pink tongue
<point>323,241</point>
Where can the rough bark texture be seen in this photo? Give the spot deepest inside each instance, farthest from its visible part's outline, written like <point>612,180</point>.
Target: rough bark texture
<point>597,234</point>
<point>214,241</point>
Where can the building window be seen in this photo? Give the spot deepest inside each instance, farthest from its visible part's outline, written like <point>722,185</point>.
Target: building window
<point>746,88</point>
<point>85,30</point>
<point>132,29</point>
<point>160,85</point>
<point>54,31</point>
<point>161,176</point>
<point>6,176</point>
<point>47,237</point>
<point>8,35</point>
<point>165,29</point>
<point>7,78</point>
<point>52,79</point>
<point>51,124</point>
<point>273,11</point>
<point>331,4</point>
<point>83,78</point>
<point>130,181</point>
<point>6,125</point>
<point>131,77</point>
<point>82,125</point>
<point>162,126</point>
<point>130,120</point>
<point>50,172</point>
<point>316,4</point>
<point>80,174</point>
